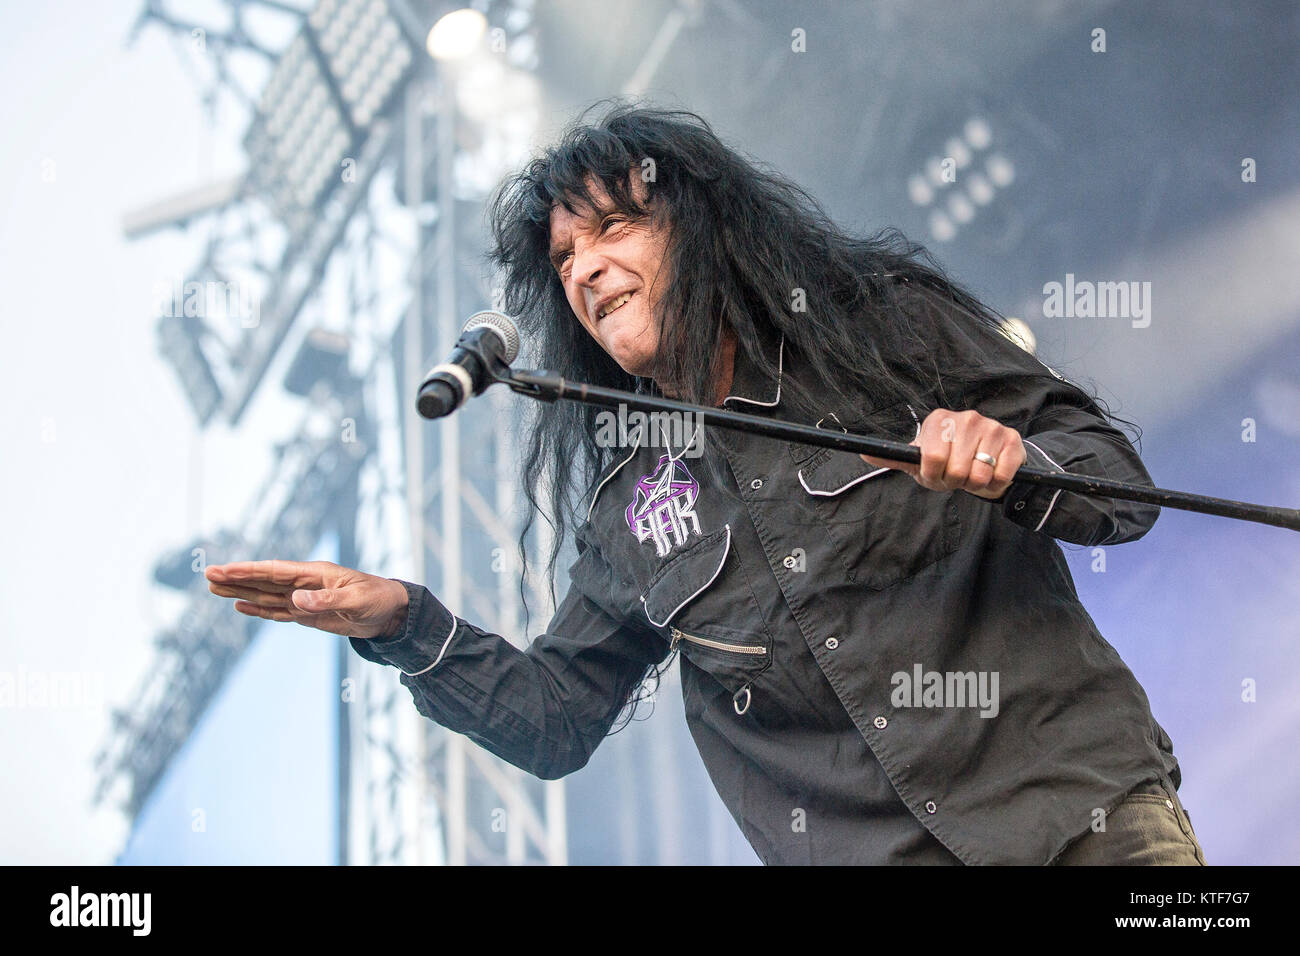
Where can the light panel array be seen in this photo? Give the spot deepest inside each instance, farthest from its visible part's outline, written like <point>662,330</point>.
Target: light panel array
<point>962,181</point>
<point>300,138</point>
<point>334,79</point>
<point>366,51</point>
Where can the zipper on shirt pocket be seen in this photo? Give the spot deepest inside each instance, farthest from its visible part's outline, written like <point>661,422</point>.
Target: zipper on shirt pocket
<point>679,635</point>
<point>741,699</point>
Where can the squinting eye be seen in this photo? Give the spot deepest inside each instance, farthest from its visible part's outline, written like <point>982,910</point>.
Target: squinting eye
<point>611,219</point>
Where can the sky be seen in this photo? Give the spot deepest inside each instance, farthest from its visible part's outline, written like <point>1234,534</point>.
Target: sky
<point>104,467</point>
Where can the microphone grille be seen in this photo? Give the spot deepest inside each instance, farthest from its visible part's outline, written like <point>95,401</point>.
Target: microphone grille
<point>500,323</point>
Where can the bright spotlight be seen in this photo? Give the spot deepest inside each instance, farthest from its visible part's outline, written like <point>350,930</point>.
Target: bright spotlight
<point>456,35</point>
<point>1019,332</point>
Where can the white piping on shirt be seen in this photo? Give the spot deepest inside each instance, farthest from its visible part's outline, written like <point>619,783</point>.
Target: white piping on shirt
<point>829,494</point>
<point>705,585</point>
<point>1051,504</point>
<point>780,373</point>
<point>636,446</point>
<point>870,474</point>
<point>686,447</point>
<point>454,624</point>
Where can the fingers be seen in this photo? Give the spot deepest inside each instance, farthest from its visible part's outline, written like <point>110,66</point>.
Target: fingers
<point>1008,450</point>
<point>268,613</point>
<point>329,621</point>
<point>289,614</point>
<point>249,594</point>
<point>949,441</point>
<point>317,594</point>
<point>981,472</point>
<point>969,436</point>
<point>939,432</point>
<point>274,576</point>
<point>273,590</point>
<point>906,466</point>
<point>1010,459</point>
<point>316,601</point>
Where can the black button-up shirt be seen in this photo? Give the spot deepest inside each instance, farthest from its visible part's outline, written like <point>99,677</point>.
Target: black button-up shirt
<point>873,672</point>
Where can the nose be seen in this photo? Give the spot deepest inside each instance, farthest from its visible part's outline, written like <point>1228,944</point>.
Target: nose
<point>588,265</point>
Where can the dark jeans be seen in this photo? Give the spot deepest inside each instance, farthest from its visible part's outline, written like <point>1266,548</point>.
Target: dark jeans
<point>1149,828</point>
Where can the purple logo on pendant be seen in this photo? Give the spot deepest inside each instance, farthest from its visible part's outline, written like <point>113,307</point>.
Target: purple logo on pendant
<point>662,506</point>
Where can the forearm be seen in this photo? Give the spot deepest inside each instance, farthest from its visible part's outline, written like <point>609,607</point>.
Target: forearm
<point>1062,427</point>
<point>544,710</point>
<point>1088,520</point>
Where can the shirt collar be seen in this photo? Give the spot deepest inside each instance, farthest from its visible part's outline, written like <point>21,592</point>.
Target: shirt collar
<point>749,384</point>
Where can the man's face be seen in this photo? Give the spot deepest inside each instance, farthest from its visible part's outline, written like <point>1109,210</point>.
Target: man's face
<point>613,272</point>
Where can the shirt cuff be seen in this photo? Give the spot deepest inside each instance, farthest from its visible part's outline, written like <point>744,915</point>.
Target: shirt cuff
<point>423,639</point>
<point>1027,504</point>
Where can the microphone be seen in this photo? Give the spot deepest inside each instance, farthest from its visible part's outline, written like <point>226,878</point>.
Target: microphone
<point>487,337</point>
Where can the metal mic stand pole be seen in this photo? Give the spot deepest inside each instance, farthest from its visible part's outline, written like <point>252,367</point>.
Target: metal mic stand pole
<point>549,387</point>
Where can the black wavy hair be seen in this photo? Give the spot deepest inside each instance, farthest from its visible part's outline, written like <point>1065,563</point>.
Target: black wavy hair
<point>742,239</point>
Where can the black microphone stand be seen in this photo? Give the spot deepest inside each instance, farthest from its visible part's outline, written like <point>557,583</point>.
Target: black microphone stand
<point>548,387</point>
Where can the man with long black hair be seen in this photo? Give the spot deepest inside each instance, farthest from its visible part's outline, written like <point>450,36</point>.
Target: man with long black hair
<point>880,662</point>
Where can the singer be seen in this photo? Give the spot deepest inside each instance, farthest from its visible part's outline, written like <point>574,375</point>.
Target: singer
<point>880,662</point>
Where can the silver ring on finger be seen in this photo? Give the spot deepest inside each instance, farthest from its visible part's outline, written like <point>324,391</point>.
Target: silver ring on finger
<point>988,459</point>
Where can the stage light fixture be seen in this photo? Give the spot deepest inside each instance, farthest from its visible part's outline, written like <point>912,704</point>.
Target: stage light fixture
<point>322,357</point>
<point>299,138</point>
<point>457,35</point>
<point>334,79</point>
<point>366,51</point>
<point>962,181</point>
<point>179,342</point>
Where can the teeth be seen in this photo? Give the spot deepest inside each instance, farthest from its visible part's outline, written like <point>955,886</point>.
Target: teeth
<point>615,304</point>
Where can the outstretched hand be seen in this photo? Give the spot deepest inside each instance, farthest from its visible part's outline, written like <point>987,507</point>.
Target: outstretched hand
<point>316,594</point>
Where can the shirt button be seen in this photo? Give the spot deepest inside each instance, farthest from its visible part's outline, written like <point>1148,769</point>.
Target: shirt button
<point>1018,506</point>
<point>788,561</point>
<point>832,642</point>
<point>930,806</point>
<point>1169,804</point>
<point>756,483</point>
<point>880,723</point>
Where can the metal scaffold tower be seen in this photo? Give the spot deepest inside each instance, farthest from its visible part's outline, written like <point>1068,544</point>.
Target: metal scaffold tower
<point>354,234</point>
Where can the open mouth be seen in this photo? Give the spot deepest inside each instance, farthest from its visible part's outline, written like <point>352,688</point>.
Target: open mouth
<point>615,305</point>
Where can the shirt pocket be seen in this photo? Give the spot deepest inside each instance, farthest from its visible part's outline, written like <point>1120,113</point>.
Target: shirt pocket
<point>732,657</point>
<point>702,598</point>
<point>884,526</point>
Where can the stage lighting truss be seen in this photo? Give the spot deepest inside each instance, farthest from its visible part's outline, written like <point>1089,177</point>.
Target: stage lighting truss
<point>179,340</point>
<point>206,318</point>
<point>329,99</point>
